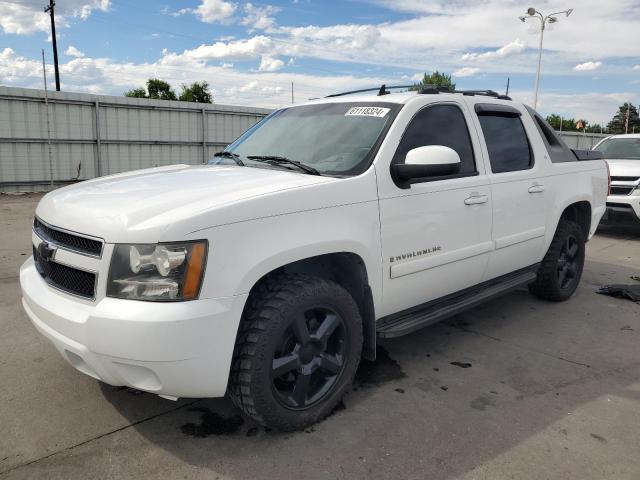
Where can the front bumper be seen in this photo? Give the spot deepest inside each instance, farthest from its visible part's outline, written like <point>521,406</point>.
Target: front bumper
<point>623,206</point>
<point>178,349</point>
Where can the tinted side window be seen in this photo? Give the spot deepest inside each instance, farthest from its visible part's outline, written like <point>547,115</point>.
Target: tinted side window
<point>507,143</point>
<point>439,125</point>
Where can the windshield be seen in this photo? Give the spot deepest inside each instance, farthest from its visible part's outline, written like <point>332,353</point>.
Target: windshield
<point>333,138</point>
<point>620,148</point>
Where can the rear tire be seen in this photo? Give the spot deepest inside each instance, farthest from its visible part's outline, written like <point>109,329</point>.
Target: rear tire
<point>561,268</point>
<point>297,351</point>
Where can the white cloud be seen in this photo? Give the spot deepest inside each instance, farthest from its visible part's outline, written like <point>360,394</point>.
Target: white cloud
<point>267,89</point>
<point>259,18</point>
<point>209,11</point>
<point>636,67</point>
<point>241,49</point>
<point>594,107</point>
<point>466,72</point>
<point>23,18</point>
<point>510,48</point>
<point>106,76</point>
<point>73,52</point>
<point>270,64</point>
<point>342,37</point>
<point>587,66</point>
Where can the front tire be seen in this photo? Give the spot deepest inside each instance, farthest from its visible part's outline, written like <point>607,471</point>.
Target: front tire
<point>561,268</point>
<point>297,351</point>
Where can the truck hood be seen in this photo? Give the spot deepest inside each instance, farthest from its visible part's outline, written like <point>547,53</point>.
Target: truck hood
<point>142,205</point>
<point>624,168</point>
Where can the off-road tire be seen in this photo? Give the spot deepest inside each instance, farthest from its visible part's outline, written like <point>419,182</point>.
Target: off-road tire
<point>268,315</point>
<point>548,284</point>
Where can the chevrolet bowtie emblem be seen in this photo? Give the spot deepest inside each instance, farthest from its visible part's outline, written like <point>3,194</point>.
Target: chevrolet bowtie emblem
<point>46,251</point>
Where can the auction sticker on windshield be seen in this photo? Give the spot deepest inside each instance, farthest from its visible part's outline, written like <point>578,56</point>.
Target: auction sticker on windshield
<point>367,112</point>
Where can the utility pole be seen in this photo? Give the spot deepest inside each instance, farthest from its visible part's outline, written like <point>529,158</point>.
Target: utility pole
<point>49,10</point>
<point>292,93</point>
<point>508,80</point>
<point>626,121</point>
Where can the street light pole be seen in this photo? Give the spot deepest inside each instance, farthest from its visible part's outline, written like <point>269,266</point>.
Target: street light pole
<point>551,18</point>
<point>535,91</point>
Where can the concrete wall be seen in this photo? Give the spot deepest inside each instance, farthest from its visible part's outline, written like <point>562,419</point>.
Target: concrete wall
<point>95,135</point>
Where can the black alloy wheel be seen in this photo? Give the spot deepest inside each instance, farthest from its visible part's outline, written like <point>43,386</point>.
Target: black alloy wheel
<point>297,351</point>
<point>561,268</point>
<point>568,266</point>
<point>310,358</point>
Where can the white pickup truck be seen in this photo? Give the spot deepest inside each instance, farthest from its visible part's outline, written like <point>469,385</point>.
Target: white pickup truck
<point>270,272</point>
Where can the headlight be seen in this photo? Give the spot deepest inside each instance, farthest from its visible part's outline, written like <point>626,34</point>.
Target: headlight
<point>163,272</point>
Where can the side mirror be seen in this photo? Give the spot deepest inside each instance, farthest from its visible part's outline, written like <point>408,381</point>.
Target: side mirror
<point>429,161</point>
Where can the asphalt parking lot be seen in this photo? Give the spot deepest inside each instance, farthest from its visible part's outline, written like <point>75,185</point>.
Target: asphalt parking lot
<point>518,388</point>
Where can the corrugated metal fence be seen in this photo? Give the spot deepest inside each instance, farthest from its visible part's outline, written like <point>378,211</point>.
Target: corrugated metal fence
<point>94,135</point>
<point>581,141</point>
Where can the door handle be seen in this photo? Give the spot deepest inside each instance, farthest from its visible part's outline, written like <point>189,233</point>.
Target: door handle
<point>537,188</point>
<point>476,199</point>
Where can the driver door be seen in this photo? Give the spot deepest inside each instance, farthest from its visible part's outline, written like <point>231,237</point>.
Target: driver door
<point>436,234</point>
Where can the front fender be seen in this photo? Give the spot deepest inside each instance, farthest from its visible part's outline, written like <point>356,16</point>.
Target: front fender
<point>240,254</point>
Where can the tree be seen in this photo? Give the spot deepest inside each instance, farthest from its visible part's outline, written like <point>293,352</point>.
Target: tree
<point>196,92</point>
<point>160,90</point>
<point>156,88</point>
<point>436,79</point>
<point>619,120</point>
<point>136,93</point>
<point>568,124</point>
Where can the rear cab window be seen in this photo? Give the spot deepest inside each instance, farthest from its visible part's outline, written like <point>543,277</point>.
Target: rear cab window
<point>506,138</point>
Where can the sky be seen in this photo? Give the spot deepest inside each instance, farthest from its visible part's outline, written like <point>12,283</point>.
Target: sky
<point>251,52</point>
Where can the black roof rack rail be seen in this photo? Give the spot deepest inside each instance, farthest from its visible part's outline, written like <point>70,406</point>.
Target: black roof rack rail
<point>424,90</point>
<point>382,90</point>
<point>433,89</point>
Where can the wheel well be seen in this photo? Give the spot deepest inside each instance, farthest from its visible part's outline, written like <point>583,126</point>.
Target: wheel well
<point>347,270</point>
<point>579,212</point>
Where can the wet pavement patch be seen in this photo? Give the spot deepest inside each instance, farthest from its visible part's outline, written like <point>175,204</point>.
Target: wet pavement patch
<point>461,364</point>
<point>482,402</point>
<point>211,424</point>
<point>384,369</point>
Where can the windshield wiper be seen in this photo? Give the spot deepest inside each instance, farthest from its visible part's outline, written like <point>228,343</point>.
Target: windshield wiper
<point>277,160</point>
<point>231,155</point>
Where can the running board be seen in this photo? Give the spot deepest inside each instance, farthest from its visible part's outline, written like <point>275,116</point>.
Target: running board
<point>432,312</point>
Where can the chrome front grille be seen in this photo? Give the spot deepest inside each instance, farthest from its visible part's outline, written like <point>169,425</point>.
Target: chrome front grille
<point>63,277</point>
<point>68,240</point>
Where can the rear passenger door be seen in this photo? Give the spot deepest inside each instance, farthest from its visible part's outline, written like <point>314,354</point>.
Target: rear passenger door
<point>517,186</point>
